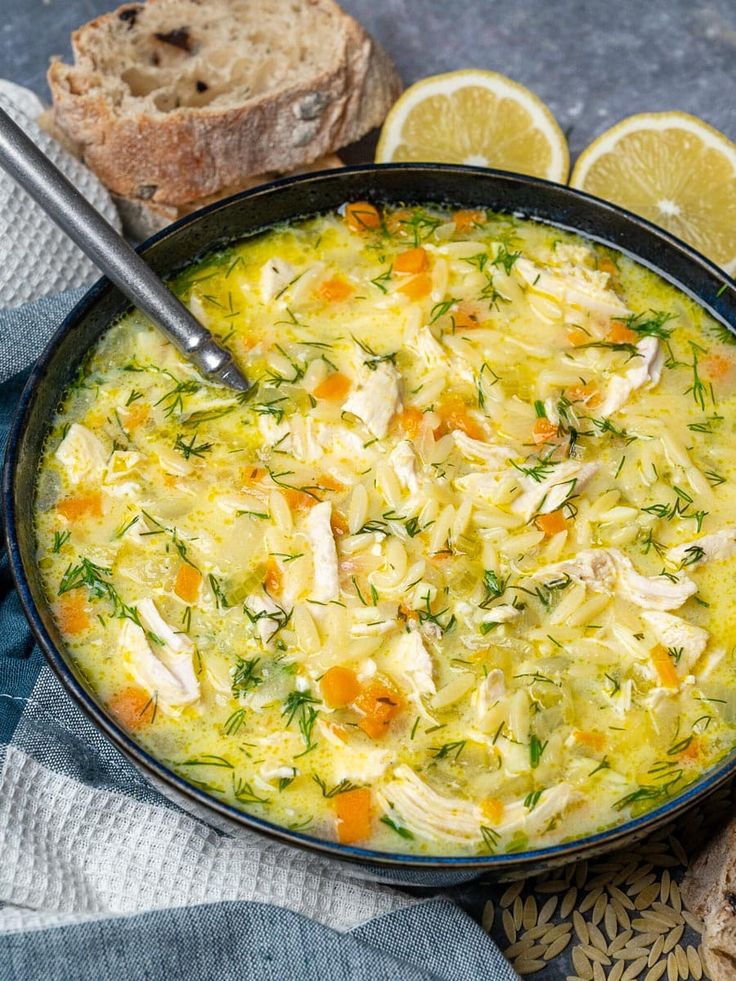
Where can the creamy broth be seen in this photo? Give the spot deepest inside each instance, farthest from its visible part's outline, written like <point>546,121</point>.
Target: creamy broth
<point>455,578</point>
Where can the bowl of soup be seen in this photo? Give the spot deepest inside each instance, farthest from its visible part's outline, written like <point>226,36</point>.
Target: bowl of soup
<point>449,591</point>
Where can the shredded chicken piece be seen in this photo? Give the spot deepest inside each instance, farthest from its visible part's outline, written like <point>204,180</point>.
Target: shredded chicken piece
<point>609,570</point>
<point>81,454</point>
<point>429,349</point>
<point>376,399</point>
<point>677,635</point>
<point>176,649</point>
<point>324,553</point>
<point>430,815</point>
<point>709,548</point>
<point>477,449</point>
<point>276,274</point>
<point>500,614</point>
<point>404,461</point>
<point>549,494</point>
<point>150,671</point>
<point>574,285</point>
<point>413,663</point>
<point>489,691</point>
<point>646,371</point>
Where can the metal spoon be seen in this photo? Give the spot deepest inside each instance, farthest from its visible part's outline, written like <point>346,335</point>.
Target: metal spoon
<point>45,183</point>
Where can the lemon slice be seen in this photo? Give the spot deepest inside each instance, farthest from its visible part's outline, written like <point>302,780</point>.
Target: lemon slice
<point>478,118</point>
<point>673,169</point>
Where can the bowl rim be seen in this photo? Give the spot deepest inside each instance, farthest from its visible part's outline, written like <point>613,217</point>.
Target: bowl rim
<point>61,662</point>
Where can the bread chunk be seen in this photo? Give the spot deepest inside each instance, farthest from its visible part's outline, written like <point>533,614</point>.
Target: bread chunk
<point>144,218</point>
<point>174,101</point>
<point>709,891</point>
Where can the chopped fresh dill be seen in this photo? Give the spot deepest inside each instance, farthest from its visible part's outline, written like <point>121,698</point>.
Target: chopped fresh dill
<point>442,308</point>
<point>278,616</point>
<point>207,759</point>
<point>300,705</point>
<point>532,799</point>
<point>245,676</point>
<point>192,448</point>
<point>399,829</point>
<point>536,749</point>
<point>234,722</point>
<point>374,359</point>
<point>650,324</point>
<point>221,600</point>
<point>60,539</point>
<point>505,259</point>
<point>243,792</point>
<point>449,750</point>
<point>339,788</point>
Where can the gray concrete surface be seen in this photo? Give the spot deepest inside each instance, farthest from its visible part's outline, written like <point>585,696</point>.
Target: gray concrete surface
<point>592,62</point>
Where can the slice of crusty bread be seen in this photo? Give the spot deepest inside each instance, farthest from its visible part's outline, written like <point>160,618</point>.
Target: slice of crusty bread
<point>172,101</point>
<point>143,218</point>
<point>709,891</point>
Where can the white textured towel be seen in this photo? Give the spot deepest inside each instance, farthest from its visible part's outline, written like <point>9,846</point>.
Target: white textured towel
<point>36,257</point>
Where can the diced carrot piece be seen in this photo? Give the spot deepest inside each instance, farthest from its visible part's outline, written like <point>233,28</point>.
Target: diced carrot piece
<point>340,731</point>
<point>406,613</point>
<point>480,655</point>
<point>692,751</point>
<point>334,388</point>
<point>467,219</point>
<point>132,707</point>
<point>621,334</point>
<point>361,216</point>
<point>298,500</point>
<point>273,580</point>
<point>412,261</point>
<point>465,317</point>
<point>136,415</point>
<point>608,266</point>
<point>397,222</point>
<point>252,475</point>
<point>410,420</point>
<point>577,336</point>
<point>187,583</point>
<point>543,431</point>
<point>338,524</point>
<point>717,366</point>
<point>353,815</point>
<point>665,667</point>
<point>552,523</point>
<point>81,506</point>
<point>417,287</point>
<point>246,344</point>
<point>593,740</point>
<point>378,704</point>
<point>71,612</point>
<point>454,414</point>
<point>329,482</point>
<point>335,290</point>
<point>492,809</point>
<point>340,686</point>
<point>584,393</point>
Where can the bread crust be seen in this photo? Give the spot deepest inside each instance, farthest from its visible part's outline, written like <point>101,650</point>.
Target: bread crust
<point>142,219</point>
<point>189,153</point>
<point>709,891</point>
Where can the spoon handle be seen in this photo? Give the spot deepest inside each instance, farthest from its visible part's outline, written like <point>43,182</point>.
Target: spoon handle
<point>61,201</point>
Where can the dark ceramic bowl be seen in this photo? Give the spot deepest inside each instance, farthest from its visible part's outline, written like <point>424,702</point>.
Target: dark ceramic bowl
<point>234,219</point>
